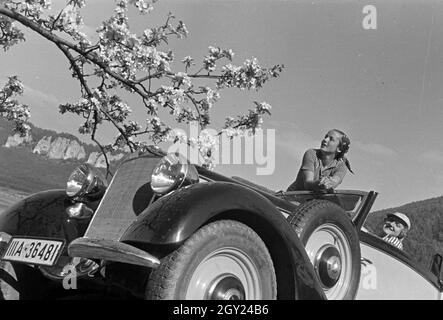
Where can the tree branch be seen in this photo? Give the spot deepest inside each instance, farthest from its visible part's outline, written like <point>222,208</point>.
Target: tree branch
<point>60,41</point>
<point>90,95</point>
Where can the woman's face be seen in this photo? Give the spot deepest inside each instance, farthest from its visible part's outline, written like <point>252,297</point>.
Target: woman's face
<point>331,142</point>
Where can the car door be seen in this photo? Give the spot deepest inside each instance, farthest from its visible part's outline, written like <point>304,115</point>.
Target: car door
<point>389,273</point>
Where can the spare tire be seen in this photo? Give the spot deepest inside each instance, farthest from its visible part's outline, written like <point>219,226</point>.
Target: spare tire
<point>331,242</point>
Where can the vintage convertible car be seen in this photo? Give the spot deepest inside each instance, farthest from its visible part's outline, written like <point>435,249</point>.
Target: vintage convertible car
<point>166,229</point>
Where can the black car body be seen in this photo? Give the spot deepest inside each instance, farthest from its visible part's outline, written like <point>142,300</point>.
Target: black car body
<point>125,231</point>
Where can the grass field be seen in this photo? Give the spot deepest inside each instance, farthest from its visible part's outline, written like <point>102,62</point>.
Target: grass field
<point>24,171</point>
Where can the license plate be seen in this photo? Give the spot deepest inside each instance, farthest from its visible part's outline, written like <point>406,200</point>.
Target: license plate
<point>33,251</point>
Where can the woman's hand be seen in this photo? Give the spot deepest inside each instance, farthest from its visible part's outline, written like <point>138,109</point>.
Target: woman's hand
<point>326,183</point>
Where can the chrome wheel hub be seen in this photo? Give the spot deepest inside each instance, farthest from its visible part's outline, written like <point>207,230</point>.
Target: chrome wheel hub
<point>226,288</point>
<point>330,253</point>
<point>328,266</point>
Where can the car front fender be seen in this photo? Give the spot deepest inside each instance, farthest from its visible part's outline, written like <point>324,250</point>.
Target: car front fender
<point>43,215</point>
<point>173,218</point>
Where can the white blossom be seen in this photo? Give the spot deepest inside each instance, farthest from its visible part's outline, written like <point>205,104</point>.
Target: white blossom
<point>122,60</point>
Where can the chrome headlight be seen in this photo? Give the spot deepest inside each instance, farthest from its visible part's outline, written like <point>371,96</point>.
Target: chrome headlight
<point>84,180</point>
<point>172,172</point>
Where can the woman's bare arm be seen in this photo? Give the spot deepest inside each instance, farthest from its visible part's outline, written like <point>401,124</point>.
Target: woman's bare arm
<point>309,182</point>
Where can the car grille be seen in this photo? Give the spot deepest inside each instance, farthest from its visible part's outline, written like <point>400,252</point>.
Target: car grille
<point>126,197</point>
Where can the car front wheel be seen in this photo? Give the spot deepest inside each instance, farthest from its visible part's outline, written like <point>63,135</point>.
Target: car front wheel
<point>224,260</point>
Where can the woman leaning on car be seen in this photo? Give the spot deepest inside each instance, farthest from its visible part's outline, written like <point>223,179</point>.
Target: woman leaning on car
<point>324,169</point>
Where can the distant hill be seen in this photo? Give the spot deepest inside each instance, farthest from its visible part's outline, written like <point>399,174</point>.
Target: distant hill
<point>426,235</point>
<point>6,128</point>
<point>22,170</point>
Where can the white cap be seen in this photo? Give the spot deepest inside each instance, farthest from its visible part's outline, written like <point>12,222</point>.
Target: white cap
<point>402,217</point>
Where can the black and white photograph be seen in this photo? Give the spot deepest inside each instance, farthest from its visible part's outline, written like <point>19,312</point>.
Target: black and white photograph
<point>221,150</point>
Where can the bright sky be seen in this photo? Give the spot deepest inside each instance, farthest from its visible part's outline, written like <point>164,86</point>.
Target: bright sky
<point>383,87</point>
